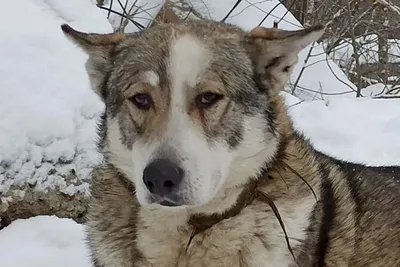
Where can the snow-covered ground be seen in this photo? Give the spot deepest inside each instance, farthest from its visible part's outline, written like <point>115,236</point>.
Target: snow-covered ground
<point>357,130</point>
<point>44,241</point>
<point>48,114</point>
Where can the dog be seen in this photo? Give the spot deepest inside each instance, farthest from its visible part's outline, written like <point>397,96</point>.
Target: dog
<point>203,167</point>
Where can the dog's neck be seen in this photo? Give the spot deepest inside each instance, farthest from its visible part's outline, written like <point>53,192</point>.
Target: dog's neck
<point>203,221</point>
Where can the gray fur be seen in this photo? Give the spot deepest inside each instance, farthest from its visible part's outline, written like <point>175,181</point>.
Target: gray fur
<point>228,220</point>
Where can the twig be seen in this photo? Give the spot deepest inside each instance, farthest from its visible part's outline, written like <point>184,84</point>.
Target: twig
<point>323,93</point>
<point>390,5</point>
<point>287,11</point>
<point>295,104</point>
<point>232,9</point>
<point>355,53</point>
<point>188,14</point>
<point>269,13</point>
<point>334,74</point>
<point>302,69</point>
<point>109,10</point>
<point>137,24</point>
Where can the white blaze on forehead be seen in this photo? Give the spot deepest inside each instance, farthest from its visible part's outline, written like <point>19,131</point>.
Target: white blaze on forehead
<point>151,77</point>
<point>188,59</point>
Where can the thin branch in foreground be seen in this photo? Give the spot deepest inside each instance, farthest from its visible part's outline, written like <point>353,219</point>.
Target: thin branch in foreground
<point>137,24</point>
<point>302,69</point>
<point>232,9</point>
<point>323,93</point>
<point>269,13</point>
<point>334,74</point>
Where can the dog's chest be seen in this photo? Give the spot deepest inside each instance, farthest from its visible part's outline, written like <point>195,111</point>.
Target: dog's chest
<point>250,239</point>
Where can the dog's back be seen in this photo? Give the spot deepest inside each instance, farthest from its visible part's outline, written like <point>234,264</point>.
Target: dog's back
<point>376,195</point>
<point>359,222</point>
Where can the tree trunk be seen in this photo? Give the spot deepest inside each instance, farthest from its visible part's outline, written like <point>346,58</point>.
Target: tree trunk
<point>24,201</point>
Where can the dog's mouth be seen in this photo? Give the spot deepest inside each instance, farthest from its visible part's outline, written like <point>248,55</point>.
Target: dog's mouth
<point>168,203</point>
<point>164,201</point>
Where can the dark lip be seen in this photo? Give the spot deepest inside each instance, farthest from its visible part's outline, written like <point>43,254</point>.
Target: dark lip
<point>167,203</point>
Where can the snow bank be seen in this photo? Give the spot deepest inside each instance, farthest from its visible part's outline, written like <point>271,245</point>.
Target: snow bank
<point>43,241</point>
<point>357,130</point>
<point>321,73</point>
<point>47,110</point>
<point>380,89</point>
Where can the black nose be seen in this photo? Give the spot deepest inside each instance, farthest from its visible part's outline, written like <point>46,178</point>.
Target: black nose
<point>162,176</point>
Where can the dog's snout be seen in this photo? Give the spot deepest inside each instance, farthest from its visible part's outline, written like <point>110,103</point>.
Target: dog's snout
<point>162,176</point>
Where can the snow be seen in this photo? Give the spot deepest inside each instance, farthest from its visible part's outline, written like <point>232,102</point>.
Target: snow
<point>48,111</point>
<point>380,89</point>
<point>362,130</point>
<point>44,241</point>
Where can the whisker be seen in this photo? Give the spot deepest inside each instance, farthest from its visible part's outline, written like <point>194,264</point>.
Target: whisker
<point>283,179</point>
<point>266,198</point>
<point>301,177</point>
<point>292,238</point>
<point>192,235</point>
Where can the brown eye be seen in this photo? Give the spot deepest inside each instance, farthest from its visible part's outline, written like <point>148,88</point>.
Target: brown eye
<point>142,101</point>
<point>207,99</point>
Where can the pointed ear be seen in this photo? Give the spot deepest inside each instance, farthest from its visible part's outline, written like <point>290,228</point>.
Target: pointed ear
<point>99,48</point>
<point>274,52</point>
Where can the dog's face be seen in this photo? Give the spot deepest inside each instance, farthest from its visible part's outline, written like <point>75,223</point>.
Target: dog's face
<point>187,106</point>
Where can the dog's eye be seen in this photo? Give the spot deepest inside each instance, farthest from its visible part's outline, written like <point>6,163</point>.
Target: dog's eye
<point>142,101</point>
<point>207,99</point>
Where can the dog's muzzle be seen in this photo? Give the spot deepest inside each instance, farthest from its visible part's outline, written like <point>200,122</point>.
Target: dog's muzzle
<point>162,178</point>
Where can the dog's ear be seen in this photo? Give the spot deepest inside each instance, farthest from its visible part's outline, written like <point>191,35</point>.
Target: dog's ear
<point>274,52</point>
<point>99,48</point>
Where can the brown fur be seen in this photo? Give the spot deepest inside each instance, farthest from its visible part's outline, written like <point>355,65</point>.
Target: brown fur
<point>325,211</point>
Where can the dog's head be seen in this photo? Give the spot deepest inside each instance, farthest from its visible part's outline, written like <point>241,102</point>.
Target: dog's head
<point>187,105</point>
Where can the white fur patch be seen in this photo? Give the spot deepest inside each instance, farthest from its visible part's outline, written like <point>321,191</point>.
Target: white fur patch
<point>257,147</point>
<point>120,156</point>
<point>132,163</point>
<point>152,78</point>
<point>188,60</point>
